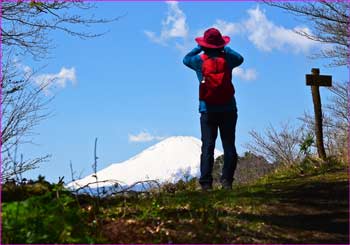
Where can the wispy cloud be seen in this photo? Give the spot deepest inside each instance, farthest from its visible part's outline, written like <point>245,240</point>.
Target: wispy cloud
<point>244,74</point>
<point>50,80</point>
<point>267,36</point>
<point>173,26</point>
<point>226,28</point>
<point>263,33</point>
<point>144,137</point>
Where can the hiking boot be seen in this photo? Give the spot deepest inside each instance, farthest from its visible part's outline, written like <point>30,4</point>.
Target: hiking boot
<point>225,185</point>
<point>207,187</point>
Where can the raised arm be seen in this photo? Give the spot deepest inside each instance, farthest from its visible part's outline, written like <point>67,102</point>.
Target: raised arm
<point>192,59</point>
<point>234,58</point>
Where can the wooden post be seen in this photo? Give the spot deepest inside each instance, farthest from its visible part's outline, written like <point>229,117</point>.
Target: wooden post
<point>315,81</point>
<point>316,98</point>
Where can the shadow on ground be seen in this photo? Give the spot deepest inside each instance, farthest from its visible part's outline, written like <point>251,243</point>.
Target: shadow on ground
<point>314,212</point>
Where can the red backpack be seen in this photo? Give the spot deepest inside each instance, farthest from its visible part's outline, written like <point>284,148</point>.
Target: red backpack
<point>216,87</point>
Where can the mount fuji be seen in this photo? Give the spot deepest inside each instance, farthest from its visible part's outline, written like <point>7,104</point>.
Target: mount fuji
<point>168,160</point>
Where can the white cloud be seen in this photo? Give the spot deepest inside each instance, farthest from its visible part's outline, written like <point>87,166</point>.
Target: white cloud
<point>227,28</point>
<point>59,79</point>
<point>173,26</point>
<point>47,81</point>
<point>152,36</point>
<point>262,32</point>
<point>266,35</point>
<point>244,74</point>
<point>143,137</point>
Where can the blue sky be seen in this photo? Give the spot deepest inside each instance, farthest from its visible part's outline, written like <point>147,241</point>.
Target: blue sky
<point>130,89</point>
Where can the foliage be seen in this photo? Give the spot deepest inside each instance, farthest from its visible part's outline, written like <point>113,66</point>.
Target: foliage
<point>305,146</point>
<point>309,166</point>
<point>53,217</point>
<point>289,144</point>
<point>220,216</point>
<point>248,214</point>
<point>190,184</point>
<point>250,167</point>
<point>335,121</point>
<point>13,191</point>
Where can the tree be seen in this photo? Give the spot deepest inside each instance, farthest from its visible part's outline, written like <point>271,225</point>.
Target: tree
<point>23,107</point>
<point>26,25</point>
<point>250,167</point>
<point>338,106</point>
<point>25,31</point>
<point>287,145</point>
<point>330,21</point>
<point>336,121</point>
<point>280,147</point>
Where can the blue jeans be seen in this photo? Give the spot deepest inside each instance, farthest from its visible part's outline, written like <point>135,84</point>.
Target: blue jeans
<point>210,123</point>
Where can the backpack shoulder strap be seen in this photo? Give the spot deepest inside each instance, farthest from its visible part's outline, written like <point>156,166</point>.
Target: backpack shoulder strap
<point>204,57</point>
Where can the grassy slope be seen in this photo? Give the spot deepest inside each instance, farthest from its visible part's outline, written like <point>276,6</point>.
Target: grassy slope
<point>280,209</point>
<point>285,207</point>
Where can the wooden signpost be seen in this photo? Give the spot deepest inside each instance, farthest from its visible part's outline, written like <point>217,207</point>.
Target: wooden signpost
<point>315,80</point>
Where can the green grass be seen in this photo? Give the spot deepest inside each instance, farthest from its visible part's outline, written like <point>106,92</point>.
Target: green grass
<point>300,204</point>
<point>294,205</point>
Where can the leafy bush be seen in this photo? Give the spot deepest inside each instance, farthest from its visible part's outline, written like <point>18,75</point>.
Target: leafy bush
<point>181,185</point>
<point>309,166</point>
<point>12,191</point>
<point>53,217</point>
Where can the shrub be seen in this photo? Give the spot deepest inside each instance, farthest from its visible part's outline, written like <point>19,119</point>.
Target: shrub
<point>53,217</point>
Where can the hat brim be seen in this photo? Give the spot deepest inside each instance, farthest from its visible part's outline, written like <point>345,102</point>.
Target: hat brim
<point>201,42</point>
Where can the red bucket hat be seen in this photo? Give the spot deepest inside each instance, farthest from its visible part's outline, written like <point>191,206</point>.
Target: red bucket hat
<point>213,39</point>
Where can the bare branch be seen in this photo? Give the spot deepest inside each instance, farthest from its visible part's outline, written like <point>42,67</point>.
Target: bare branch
<point>25,29</point>
<point>336,121</point>
<point>277,146</point>
<point>330,22</point>
<point>26,25</point>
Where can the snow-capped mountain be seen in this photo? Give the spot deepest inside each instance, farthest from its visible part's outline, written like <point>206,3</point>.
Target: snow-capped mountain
<point>168,160</point>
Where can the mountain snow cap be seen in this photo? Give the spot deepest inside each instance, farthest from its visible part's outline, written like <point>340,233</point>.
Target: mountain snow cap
<point>168,160</point>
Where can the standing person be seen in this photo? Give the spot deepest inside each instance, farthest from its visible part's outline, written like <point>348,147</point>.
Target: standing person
<point>217,103</point>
